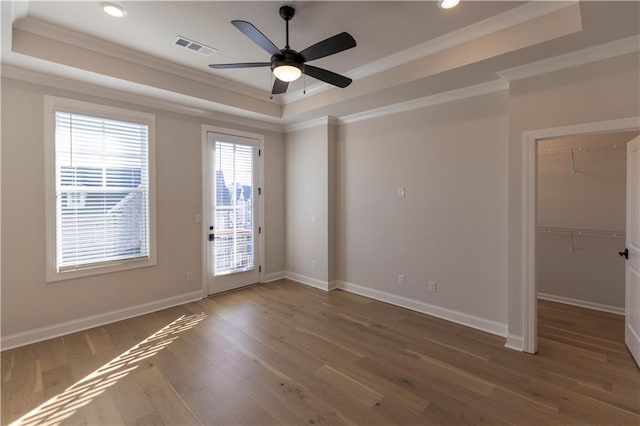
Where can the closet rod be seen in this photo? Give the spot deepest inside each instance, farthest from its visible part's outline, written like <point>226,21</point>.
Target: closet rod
<point>584,148</point>
<point>581,231</point>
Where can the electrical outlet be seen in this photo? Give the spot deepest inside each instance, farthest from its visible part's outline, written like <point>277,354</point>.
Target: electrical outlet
<point>401,279</point>
<point>189,276</point>
<point>433,286</point>
<point>314,264</point>
<point>401,191</point>
<point>198,218</point>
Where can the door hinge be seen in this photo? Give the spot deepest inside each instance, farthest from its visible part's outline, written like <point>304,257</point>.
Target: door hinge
<point>259,191</point>
<point>260,268</point>
<point>259,229</point>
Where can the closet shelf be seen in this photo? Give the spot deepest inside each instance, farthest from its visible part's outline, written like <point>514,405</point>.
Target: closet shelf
<point>572,151</point>
<point>571,232</point>
<point>581,231</point>
<point>576,149</point>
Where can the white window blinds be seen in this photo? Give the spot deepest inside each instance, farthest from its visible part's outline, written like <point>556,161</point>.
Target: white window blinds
<point>102,190</point>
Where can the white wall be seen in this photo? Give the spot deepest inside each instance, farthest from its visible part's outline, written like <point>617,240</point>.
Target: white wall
<point>450,226</point>
<point>591,198</point>
<point>274,209</point>
<point>310,216</point>
<point>28,302</point>
<point>597,91</point>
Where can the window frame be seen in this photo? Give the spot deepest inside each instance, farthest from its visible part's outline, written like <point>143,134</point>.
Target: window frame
<point>53,104</point>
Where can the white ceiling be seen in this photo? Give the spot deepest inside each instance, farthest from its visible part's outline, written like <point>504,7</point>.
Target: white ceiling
<point>405,50</point>
<point>380,29</point>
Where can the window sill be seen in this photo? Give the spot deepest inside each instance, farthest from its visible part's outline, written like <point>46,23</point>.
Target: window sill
<point>53,275</point>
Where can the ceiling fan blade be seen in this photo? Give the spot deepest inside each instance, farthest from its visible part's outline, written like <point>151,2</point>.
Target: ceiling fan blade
<point>279,87</point>
<point>335,44</point>
<point>256,36</point>
<point>327,76</point>
<point>240,65</point>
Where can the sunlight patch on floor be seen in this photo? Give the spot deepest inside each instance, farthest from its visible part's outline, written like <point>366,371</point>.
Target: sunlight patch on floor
<point>91,386</point>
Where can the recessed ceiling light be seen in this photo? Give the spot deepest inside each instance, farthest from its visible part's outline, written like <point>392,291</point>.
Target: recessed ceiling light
<point>448,4</point>
<point>113,9</point>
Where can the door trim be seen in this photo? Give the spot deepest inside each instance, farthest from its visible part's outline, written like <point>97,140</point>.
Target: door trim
<point>205,191</point>
<point>529,162</point>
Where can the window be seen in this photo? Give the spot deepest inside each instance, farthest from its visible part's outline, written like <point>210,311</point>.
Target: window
<point>99,189</point>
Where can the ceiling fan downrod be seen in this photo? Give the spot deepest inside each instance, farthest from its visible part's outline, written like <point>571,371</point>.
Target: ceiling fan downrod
<point>287,13</point>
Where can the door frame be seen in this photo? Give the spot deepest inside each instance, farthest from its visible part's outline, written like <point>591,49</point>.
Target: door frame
<point>530,140</point>
<point>206,191</point>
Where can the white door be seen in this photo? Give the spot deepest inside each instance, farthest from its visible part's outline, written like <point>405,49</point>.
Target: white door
<point>632,305</point>
<point>233,222</point>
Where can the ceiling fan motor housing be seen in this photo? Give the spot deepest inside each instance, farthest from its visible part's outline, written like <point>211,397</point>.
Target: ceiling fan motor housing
<point>287,57</point>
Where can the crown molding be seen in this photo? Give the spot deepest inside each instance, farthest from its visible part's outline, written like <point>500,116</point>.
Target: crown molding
<point>440,98</point>
<point>320,121</point>
<point>64,35</point>
<point>579,57</point>
<point>63,83</point>
<point>510,18</point>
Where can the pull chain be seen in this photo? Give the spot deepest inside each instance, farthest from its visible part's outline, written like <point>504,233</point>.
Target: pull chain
<point>271,84</point>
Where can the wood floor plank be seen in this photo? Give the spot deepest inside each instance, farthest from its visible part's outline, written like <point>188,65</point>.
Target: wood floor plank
<point>287,354</point>
<point>104,410</point>
<point>225,392</point>
<point>130,400</point>
<point>151,419</point>
<point>351,409</point>
<point>394,413</point>
<point>164,399</point>
<point>208,410</point>
<point>343,382</point>
<point>52,353</point>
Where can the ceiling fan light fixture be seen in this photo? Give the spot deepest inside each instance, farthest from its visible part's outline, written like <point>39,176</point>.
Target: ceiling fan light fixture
<point>288,64</point>
<point>448,4</point>
<point>113,9</point>
<point>287,73</point>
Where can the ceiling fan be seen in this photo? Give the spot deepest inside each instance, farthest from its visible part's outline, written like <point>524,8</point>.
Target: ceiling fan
<point>287,64</point>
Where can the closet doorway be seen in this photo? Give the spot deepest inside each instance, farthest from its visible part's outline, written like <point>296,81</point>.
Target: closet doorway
<point>581,193</point>
<point>528,289</point>
<point>581,196</point>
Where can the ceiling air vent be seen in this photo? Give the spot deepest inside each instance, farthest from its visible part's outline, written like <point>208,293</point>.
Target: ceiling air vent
<point>194,45</point>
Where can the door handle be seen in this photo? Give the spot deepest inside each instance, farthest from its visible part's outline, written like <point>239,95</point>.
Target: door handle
<point>212,237</point>
<point>624,253</point>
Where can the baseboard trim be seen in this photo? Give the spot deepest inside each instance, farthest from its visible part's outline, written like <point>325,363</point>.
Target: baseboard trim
<point>582,303</point>
<point>462,318</point>
<point>515,342</point>
<point>303,279</point>
<point>273,277</point>
<point>43,333</point>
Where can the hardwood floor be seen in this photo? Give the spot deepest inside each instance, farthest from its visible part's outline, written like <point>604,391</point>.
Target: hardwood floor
<point>286,354</point>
